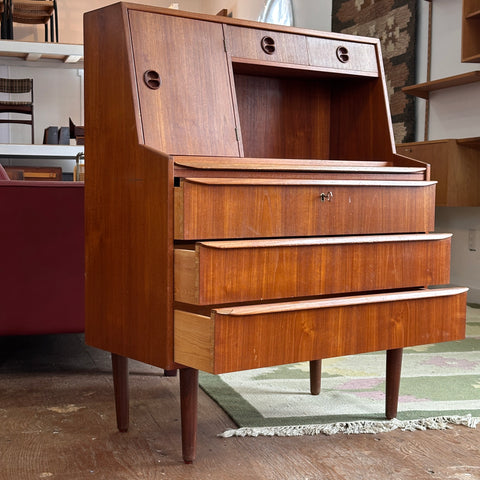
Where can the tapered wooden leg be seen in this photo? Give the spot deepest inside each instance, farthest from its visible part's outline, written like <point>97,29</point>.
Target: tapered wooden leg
<point>188,404</point>
<point>315,376</point>
<point>120,386</point>
<point>394,367</point>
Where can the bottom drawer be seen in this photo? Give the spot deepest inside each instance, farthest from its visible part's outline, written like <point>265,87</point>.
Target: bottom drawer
<point>246,337</point>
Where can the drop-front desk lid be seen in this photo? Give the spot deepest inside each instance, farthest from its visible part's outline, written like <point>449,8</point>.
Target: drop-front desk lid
<point>294,165</point>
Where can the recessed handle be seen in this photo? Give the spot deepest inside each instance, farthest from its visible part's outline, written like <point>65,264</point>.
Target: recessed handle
<point>342,54</point>
<point>268,45</point>
<point>152,79</point>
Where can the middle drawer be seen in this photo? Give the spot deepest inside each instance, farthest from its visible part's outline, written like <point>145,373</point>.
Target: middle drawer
<point>252,270</point>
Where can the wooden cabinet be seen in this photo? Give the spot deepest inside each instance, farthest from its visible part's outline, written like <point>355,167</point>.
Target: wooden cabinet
<point>471,31</point>
<point>455,164</point>
<point>247,206</point>
<point>34,173</point>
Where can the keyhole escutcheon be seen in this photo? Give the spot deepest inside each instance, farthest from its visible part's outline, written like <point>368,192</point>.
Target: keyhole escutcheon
<point>326,196</point>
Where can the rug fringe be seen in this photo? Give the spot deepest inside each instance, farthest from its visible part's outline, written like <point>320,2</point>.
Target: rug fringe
<point>363,426</point>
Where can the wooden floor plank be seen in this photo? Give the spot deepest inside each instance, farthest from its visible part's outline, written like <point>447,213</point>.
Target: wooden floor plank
<point>58,421</point>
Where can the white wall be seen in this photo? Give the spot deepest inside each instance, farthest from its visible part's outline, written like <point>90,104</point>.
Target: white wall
<point>314,14</point>
<point>454,113</point>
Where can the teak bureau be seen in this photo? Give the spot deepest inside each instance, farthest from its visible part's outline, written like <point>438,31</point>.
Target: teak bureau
<point>245,205</point>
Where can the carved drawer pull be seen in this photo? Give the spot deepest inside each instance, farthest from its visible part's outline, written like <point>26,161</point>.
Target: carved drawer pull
<point>152,79</point>
<point>268,45</point>
<point>326,196</point>
<point>342,54</point>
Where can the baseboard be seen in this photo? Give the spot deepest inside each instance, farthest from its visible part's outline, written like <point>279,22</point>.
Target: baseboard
<point>473,296</point>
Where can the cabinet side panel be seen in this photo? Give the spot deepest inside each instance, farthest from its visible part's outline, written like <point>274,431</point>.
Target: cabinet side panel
<point>128,228</point>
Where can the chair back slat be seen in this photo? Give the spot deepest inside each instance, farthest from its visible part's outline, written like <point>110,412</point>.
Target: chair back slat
<point>16,85</point>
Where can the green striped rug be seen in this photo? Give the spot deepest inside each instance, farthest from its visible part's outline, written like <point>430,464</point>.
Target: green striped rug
<point>440,385</point>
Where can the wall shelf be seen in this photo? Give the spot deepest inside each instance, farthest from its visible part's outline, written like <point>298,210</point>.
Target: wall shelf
<point>38,55</point>
<point>55,152</point>
<point>60,55</point>
<point>423,90</point>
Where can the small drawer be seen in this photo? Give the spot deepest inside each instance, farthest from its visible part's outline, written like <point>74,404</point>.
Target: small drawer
<point>271,46</point>
<point>347,56</point>
<point>221,208</point>
<point>249,270</point>
<point>242,338</point>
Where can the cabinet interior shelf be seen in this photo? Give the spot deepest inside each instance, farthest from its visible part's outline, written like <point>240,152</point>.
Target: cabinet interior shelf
<point>423,90</point>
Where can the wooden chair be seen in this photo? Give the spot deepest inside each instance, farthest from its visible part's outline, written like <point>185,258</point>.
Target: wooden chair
<point>17,86</point>
<point>36,12</point>
<point>6,24</point>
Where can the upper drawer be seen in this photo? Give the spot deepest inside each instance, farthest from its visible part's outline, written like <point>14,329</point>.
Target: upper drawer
<point>338,54</point>
<point>219,208</point>
<point>266,45</point>
<point>249,270</point>
<point>255,336</point>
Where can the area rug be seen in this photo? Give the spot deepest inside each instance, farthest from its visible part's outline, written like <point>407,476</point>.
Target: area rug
<point>440,385</point>
<point>394,23</point>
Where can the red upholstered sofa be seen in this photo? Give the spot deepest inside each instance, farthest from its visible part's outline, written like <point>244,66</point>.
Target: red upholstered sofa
<point>41,257</point>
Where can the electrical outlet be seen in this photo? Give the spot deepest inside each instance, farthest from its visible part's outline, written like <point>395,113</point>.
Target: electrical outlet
<point>472,240</point>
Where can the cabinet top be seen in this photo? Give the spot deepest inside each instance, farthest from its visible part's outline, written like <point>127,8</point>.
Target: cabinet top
<point>126,6</point>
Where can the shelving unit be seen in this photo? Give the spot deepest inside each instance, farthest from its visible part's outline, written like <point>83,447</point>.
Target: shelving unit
<point>8,150</point>
<point>41,55</point>
<point>471,31</point>
<point>422,90</point>
<point>61,55</point>
<point>455,163</point>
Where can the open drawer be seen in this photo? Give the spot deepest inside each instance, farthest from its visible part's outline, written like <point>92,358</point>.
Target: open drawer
<point>219,208</point>
<point>252,270</point>
<point>242,338</point>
